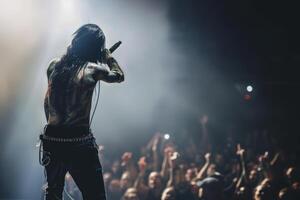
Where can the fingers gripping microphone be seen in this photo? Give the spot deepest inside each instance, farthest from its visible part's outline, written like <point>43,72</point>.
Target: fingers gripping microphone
<point>110,50</point>
<point>115,46</point>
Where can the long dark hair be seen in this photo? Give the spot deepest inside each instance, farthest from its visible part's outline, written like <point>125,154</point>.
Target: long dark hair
<point>87,44</point>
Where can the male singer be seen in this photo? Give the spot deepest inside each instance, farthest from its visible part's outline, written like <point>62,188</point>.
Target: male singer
<point>68,144</point>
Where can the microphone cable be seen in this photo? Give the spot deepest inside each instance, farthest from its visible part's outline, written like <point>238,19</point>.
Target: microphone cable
<point>96,104</point>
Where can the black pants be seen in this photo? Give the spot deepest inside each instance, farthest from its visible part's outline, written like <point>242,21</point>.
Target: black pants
<point>80,159</point>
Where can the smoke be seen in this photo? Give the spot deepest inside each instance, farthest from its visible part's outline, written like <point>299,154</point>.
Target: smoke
<point>169,80</point>
<point>35,32</point>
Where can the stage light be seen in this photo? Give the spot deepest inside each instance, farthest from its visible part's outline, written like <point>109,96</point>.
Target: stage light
<point>249,88</point>
<point>167,136</point>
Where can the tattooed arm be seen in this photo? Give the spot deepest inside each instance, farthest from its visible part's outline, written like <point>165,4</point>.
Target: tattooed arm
<point>49,72</point>
<point>115,74</point>
<point>46,106</point>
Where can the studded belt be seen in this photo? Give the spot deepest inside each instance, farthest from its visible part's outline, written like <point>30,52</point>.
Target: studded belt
<point>44,137</point>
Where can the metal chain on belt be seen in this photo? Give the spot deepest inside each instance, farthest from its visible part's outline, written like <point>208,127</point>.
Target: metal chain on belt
<point>55,139</point>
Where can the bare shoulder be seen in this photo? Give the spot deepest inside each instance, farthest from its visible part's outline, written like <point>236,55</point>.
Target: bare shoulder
<point>51,66</point>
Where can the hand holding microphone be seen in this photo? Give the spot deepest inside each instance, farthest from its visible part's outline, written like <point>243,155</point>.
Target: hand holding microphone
<point>112,64</point>
<point>106,53</point>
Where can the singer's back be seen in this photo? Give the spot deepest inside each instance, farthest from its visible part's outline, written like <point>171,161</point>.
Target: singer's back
<point>69,94</point>
<point>72,78</point>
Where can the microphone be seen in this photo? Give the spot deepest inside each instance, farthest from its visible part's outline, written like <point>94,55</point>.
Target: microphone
<point>115,46</point>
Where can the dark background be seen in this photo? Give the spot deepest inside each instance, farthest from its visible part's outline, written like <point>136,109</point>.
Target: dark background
<point>251,42</point>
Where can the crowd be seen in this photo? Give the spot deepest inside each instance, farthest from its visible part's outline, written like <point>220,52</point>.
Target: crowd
<point>164,169</point>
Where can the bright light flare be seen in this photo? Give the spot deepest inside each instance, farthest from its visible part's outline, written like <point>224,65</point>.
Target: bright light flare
<point>167,136</point>
<point>249,88</point>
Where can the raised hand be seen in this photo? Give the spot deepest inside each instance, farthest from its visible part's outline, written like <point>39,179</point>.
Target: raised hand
<point>105,56</point>
<point>168,151</point>
<point>156,140</point>
<point>240,151</point>
<point>207,157</point>
<point>142,164</point>
<point>173,158</point>
<point>263,158</point>
<point>126,157</point>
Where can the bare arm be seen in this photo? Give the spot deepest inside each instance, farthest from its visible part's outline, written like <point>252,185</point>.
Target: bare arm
<point>142,168</point>
<point>115,74</point>
<point>164,167</point>
<point>49,72</point>
<point>46,106</point>
<point>243,177</point>
<point>155,153</point>
<point>166,162</point>
<point>203,170</point>
<point>172,176</point>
